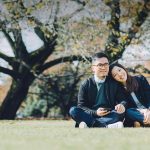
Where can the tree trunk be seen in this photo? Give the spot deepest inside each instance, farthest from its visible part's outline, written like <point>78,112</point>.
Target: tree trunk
<point>17,93</point>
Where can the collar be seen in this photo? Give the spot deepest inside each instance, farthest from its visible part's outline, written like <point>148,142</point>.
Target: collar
<point>97,80</point>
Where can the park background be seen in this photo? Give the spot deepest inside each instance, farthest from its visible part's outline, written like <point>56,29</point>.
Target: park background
<point>45,53</point>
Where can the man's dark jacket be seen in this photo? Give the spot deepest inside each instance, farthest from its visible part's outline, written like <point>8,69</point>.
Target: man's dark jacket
<point>88,91</point>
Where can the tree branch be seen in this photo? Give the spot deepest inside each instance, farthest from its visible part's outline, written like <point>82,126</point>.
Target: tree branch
<point>114,24</point>
<point>6,58</point>
<point>62,60</point>
<point>141,17</point>
<point>12,73</point>
<point>21,51</point>
<point>114,48</point>
<point>43,53</point>
<point>55,17</point>
<point>40,34</point>
<point>80,2</point>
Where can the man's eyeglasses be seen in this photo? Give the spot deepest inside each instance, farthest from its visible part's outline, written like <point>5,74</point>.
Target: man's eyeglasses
<point>102,65</point>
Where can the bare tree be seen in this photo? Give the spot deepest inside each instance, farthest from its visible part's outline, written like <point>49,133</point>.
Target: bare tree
<point>118,40</point>
<point>26,66</point>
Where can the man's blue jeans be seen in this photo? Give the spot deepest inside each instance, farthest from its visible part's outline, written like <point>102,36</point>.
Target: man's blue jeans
<point>79,115</point>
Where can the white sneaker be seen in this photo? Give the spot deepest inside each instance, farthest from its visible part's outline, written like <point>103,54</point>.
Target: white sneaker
<point>83,125</point>
<point>116,125</point>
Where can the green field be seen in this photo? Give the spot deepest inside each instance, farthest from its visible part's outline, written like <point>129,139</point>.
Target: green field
<point>49,135</point>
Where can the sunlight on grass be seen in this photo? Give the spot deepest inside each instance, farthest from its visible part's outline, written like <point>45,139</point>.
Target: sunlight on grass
<point>62,135</point>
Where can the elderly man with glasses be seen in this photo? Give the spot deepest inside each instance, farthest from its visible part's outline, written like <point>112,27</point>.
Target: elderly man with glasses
<point>101,100</point>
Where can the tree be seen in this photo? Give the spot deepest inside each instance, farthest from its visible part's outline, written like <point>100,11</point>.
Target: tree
<point>57,90</point>
<point>26,66</point>
<point>119,39</point>
<point>55,29</point>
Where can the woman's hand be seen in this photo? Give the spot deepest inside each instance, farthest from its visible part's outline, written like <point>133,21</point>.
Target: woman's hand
<point>147,117</point>
<point>143,111</point>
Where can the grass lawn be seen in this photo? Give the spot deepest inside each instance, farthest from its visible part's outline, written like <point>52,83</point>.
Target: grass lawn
<point>53,135</point>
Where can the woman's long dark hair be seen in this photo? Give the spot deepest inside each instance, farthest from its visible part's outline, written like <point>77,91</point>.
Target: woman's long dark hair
<point>131,83</point>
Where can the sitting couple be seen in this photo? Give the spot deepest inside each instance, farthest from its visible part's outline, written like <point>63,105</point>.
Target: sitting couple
<point>105,100</point>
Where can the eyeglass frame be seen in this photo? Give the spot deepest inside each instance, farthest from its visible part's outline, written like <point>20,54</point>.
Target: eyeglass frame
<point>102,65</point>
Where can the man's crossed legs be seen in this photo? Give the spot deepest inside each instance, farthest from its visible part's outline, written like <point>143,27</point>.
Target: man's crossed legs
<point>79,115</point>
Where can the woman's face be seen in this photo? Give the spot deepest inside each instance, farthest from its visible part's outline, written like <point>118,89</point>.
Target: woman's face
<point>119,74</point>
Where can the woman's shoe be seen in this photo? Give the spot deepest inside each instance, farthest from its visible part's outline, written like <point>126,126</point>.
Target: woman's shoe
<point>137,124</point>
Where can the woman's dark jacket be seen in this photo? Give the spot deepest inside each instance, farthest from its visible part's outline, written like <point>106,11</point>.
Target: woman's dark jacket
<point>88,91</point>
<point>143,93</point>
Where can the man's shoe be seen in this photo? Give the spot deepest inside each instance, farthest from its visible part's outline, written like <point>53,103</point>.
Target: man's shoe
<point>137,124</point>
<point>116,125</point>
<point>83,125</point>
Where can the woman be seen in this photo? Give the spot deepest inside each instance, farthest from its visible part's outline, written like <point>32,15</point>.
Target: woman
<point>138,95</point>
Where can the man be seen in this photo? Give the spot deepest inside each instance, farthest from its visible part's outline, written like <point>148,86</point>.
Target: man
<point>101,101</point>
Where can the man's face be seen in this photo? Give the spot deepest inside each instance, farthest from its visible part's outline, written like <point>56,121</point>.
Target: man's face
<point>100,67</point>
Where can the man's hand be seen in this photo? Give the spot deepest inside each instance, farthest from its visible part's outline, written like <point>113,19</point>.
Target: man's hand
<point>102,112</point>
<point>120,108</point>
<point>147,117</point>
